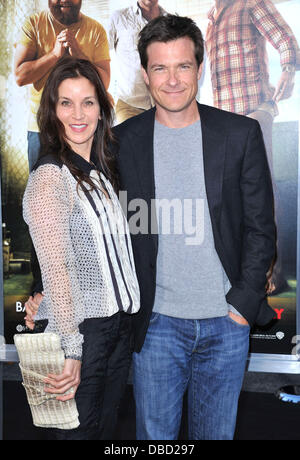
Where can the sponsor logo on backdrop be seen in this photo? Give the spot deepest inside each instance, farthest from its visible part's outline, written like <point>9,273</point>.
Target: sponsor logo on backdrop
<point>277,336</point>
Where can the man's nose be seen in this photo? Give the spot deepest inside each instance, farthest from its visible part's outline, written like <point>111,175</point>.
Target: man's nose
<point>173,77</point>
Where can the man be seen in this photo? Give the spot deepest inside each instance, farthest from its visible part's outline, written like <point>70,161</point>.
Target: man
<point>198,298</point>
<point>45,38</point>
<point>236,39</point>
<point>204,285</point>
<point>124,27</point>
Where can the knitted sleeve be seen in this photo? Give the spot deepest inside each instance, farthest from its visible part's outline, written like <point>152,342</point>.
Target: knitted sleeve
<point>47,205</point>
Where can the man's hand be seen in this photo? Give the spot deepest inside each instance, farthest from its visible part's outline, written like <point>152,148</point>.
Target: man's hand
<point>59,48</point>
<point>31,307</point>
<point>238,319</point>
<point>67,39</point>
<point>70,378</point>
<point>285,86</point>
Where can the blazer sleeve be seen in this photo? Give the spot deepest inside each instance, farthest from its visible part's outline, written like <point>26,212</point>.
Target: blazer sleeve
<point>248,294</point>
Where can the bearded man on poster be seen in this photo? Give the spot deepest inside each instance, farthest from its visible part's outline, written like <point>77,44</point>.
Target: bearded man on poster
<point>45,38</point>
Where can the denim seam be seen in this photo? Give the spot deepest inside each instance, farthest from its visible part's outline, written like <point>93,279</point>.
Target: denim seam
<point>192,409</point>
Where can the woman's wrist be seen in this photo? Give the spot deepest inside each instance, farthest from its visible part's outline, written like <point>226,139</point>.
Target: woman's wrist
<point>73,356</point>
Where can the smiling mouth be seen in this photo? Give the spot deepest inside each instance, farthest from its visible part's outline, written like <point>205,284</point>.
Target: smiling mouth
<point>78,128</point>
<point>174,92</point>
<point>64,6</point>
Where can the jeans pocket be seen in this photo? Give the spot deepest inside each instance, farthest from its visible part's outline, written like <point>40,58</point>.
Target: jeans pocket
<point>154,316</point>
<point>243,326</point>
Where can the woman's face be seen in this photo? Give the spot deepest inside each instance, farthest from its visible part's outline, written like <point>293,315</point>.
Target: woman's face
<point>79,111</point>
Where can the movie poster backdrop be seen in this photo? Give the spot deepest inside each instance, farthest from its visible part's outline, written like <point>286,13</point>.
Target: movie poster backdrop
<point>14,114</point>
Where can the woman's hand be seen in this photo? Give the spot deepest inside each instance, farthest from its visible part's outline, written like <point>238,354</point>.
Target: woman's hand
<point>31,307</point>
<point>70,378</point>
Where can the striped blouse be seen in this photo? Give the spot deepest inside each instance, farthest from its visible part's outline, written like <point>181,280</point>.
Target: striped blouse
<point>83,246</point>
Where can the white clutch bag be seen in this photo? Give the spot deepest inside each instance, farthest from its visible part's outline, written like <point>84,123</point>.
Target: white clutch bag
<point>40,355</point>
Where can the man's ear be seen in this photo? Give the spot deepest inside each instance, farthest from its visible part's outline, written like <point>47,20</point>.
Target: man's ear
<point>200,70</point>
<point>145,76</point>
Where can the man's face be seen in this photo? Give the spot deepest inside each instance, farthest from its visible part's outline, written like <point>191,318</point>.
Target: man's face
<point>172,74</point>
<point>147,3</point>
<point>65,11</point>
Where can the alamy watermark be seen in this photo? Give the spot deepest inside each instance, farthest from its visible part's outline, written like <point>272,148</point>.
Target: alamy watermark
<point>166,217</point>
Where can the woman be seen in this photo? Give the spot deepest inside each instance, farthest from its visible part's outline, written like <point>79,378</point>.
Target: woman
<point>83,246</point>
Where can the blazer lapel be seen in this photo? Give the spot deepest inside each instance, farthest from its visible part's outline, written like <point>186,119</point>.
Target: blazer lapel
<point>214,151</point>
<point>143,157</point>
<point>142,141</point>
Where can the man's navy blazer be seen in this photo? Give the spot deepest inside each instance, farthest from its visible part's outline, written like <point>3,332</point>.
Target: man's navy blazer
<point>240,200</point>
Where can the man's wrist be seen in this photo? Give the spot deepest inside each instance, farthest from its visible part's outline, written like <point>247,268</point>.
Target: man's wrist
<point>234,310</point>
<point>55,57</point>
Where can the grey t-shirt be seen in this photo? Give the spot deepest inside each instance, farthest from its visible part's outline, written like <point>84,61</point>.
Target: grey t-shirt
<point>191,282</point>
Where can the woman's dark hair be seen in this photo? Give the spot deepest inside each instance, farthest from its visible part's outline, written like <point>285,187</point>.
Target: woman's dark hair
<point>52,132</point>
<point>167,28</point>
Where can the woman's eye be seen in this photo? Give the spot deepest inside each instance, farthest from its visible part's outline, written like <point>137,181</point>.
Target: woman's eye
<point>65,103</point>
<point>89,103</point>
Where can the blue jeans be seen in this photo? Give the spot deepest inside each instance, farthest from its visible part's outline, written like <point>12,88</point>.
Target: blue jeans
<point>34,146</point>
<point>205,357</point>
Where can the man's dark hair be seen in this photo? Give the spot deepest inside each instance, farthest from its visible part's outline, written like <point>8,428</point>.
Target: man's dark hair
<point>167,28</point>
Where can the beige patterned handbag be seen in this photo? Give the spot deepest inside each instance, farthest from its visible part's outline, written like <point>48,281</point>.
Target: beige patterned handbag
<point>40,355</point>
